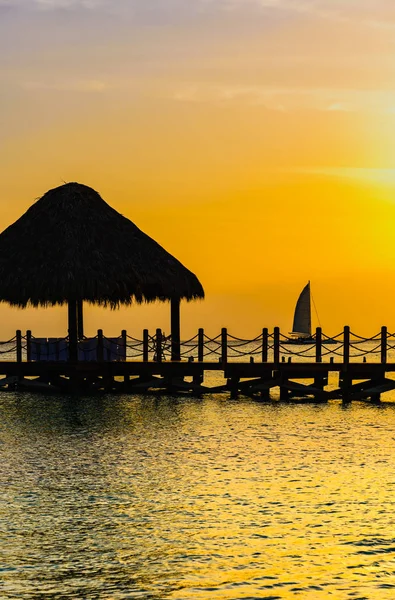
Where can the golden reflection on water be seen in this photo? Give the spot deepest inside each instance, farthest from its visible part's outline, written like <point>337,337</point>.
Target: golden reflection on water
<point>163,498</point>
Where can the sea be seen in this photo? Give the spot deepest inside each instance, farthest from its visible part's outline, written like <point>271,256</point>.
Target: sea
<point>160,497</point>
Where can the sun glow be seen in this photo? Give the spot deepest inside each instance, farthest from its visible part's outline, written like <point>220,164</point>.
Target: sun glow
<point>261,160</point>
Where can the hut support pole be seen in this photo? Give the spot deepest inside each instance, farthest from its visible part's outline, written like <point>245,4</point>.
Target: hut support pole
<point>80,319</point>
<point>175,329</point>
<point>73,333</point>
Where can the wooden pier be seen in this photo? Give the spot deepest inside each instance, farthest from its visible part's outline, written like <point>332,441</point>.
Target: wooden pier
<point>266,367</point>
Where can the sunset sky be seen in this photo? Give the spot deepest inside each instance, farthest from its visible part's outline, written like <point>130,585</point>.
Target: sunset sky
<point>253,139</point>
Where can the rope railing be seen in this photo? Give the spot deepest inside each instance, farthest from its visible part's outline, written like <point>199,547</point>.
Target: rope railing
<point>332,337</point>
<point>13,339</point>
<point>364,339</point>
<point>192,339</point>
<point>208,339</point>
<point>375,350</point>
<point>8,351</point>
<point>268,346</point>
<point>300,353</point>
<point>243,353</point>
<point>286,338</point>
<point>330,351</point>
<point>243,340</point>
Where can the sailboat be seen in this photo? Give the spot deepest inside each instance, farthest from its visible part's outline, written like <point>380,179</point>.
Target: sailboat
<point>301,329</point>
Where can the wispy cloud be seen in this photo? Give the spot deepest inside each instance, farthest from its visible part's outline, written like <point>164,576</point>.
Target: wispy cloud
<point>90,86</point>
<point>364,175</point>
<point>288,98</point>
<point>371,13</point>
<point>375,10</point>
<point>52,4</point>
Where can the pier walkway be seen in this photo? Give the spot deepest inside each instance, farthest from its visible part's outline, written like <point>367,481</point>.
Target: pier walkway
<point>270,365</point>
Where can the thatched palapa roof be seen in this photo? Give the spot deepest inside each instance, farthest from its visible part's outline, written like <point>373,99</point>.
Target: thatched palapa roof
<point>71,244</point>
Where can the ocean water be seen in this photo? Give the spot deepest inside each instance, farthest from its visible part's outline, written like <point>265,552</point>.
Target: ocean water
<point>144,497</point>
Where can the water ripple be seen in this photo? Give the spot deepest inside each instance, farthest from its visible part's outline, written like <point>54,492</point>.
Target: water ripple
<point>120,498</point>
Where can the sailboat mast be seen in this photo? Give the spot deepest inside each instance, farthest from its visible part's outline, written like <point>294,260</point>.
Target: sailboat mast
<point>315,310</point>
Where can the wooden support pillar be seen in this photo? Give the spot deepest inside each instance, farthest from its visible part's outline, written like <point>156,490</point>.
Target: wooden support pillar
<point>200,345</point>
<point>284,392</point>
<point>158,345</point>
<point>126,377</point>
<point>319,380</point>
<point>198,378</point>
<point>276,345</point>
<point>100,345</point>
<point>346,345</point>
<point>346,381</point>
<point>383,345</point>
<point>224,345</point>
<point>80,320</point>
<point>265,344</point>
<point>318,345</point>
<point>145,345</point>
<point>175,329</point>
<point>19,346</point>
<point>234,387</point>
<point>73,333</point>
<point>28,345</point>
<point>375,398</point>
<point>345,385</point>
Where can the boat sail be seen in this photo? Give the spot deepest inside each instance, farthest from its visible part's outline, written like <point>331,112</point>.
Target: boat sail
<point>301,328</point>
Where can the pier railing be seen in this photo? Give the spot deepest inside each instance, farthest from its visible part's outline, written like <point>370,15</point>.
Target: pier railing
<point>267,347</point>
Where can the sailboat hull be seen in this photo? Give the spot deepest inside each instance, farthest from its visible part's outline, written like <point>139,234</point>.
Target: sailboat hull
<point>307,342</point>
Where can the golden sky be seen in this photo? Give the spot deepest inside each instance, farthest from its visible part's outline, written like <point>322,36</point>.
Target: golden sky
<point>253,139</point>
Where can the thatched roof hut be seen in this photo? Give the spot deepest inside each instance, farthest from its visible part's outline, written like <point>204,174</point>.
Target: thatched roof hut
<point>71,246</point>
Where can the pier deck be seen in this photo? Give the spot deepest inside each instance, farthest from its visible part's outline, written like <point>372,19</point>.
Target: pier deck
<point>268,366</point>
<point>294,380</point>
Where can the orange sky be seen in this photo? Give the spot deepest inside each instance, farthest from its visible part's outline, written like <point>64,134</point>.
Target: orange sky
<point>254,140</point>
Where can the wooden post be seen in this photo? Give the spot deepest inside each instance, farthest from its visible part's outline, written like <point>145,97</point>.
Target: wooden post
<point>73,333</point>
<point>234,387</point>
<point>80,319</point>
<point>318,345</point>
<point>201,345</point>
<point>383,345</point>
<point>175,329</point>
<point>19,346</point>
<point>276,345</point>
<point>158,345</point>
<point>100,347</point>
<point>126,378</point>
<point>265,344</point>
<point>346,345</point>
<point>284,392</point>
<point>145,345</point>
<point>224,345</point>
<point>28,345</point>
<point>318,379</point>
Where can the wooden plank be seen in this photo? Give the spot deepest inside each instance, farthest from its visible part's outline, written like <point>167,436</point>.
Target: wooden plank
<point>293,386</point>
<point>386,386</point>
<point>266,385</point>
